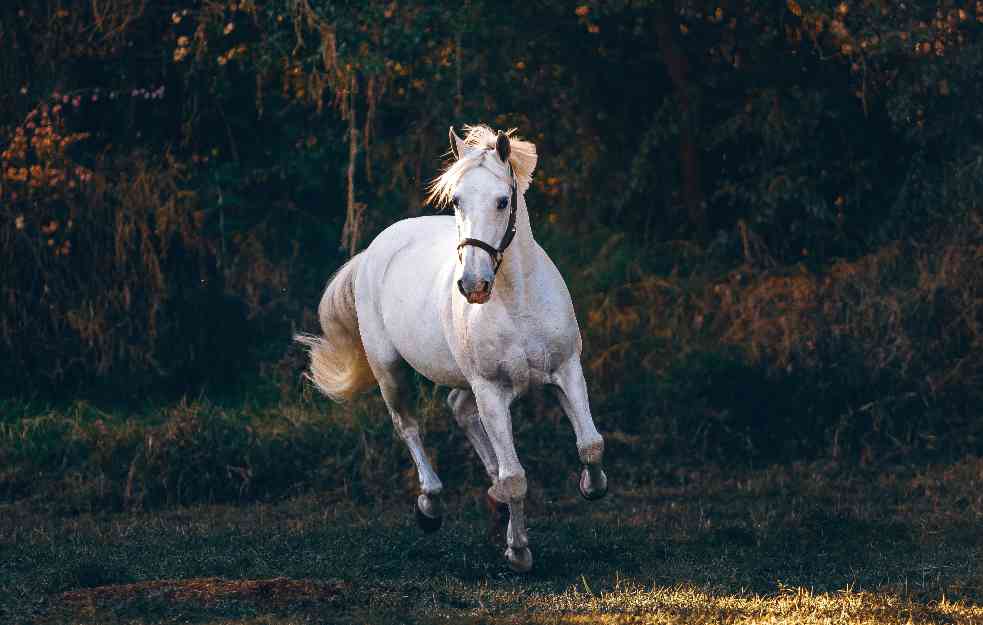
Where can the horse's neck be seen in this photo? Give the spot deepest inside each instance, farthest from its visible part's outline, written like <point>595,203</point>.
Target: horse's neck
<point>520,261</point>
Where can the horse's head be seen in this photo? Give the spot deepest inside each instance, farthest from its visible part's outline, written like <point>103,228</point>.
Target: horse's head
<point>483,183</point>
<point>484,208</point>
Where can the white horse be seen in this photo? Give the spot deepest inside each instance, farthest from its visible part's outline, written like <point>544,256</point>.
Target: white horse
<point>471,302</point>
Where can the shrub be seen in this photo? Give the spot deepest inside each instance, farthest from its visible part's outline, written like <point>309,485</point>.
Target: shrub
<point>880,352</point>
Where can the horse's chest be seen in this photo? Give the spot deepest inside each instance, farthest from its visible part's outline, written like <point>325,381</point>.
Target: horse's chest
<point>520,349</point>
<point>546,346</point>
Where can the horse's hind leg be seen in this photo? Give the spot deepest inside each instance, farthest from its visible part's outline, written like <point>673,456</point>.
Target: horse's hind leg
<point>465,409</point>
<point>394,375</point>
<point>572,393</point>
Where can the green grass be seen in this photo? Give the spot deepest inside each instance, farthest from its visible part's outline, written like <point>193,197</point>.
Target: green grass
<point>803,543</point>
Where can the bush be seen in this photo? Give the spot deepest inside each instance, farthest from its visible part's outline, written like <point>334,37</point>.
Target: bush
<point>879,353</point>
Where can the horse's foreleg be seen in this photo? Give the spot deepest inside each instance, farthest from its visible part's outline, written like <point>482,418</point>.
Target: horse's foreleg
<point>572,392</point>
<point>465,410</point>
<point>394,384</point>
<point>510,483</point>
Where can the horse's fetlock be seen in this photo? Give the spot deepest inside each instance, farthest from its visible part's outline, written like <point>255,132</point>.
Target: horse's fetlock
<point>430,504</point>
<point>519,541</point>
<point>432,488</point>
<point>592,451</point>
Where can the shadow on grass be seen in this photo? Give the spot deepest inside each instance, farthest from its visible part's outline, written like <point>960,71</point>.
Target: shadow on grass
<point>876,548</point>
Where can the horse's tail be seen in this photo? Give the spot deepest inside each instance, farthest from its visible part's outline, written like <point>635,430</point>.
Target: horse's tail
<point>338,368</point>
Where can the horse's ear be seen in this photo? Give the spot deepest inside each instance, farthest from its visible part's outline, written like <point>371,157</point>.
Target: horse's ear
<point>457,144</point>
<point>502,146</point>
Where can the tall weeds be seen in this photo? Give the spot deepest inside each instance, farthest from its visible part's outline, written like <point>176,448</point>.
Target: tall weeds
<point>881,351</point>
<point>117,282</point>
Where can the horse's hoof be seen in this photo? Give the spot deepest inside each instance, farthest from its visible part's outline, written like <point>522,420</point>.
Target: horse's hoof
<point>429,525</point>
<point>520,560</point>
<point>595,493</point>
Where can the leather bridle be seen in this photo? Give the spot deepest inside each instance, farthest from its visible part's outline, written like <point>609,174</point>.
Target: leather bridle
<point>497,253</point>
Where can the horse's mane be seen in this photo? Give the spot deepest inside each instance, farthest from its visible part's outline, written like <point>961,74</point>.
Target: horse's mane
<point>522,157</point>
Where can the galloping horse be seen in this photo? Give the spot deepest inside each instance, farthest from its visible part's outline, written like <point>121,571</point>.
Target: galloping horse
<point>471,302</point>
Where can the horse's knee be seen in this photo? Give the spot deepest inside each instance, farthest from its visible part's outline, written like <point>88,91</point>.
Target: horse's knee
<point>467,420</point>
<point>509,488</point>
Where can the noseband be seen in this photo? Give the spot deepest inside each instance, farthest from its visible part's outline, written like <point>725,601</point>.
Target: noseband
<point>498,252</point>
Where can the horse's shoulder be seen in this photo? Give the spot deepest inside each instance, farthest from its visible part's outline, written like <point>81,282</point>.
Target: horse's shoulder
<point>555,318</point>
<point>553,283</point>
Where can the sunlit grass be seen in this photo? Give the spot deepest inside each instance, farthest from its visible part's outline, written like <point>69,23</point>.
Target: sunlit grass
<point>295,601</point>
<point>684,604</point>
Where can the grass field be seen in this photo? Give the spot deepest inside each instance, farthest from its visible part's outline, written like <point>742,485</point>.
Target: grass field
<point>807,543</point>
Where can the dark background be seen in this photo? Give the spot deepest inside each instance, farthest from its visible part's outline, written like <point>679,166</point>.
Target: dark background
<point>767,213</point>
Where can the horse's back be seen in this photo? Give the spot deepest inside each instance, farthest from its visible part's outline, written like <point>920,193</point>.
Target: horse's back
<point>426,230</point>
<point>410,254</point>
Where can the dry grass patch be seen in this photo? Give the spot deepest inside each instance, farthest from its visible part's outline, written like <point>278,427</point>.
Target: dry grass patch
<point>799,606</point>
<point>278,592</point>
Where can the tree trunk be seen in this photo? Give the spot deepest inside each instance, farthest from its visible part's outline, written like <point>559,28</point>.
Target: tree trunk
<point>687,99</point>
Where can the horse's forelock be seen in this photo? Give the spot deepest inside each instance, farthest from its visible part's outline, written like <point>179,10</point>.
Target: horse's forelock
<point>482,139</point>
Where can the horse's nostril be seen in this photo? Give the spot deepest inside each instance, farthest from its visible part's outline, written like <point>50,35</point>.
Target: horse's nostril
<point>483,286</point>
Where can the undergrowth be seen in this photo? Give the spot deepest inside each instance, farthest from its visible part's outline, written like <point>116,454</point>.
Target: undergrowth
<point>692,359</point>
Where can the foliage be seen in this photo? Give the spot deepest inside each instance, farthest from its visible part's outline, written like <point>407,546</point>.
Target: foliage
<point>768,213</point>
<point>876,353</point>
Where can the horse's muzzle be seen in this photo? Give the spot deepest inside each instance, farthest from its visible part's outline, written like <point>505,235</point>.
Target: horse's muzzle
<point>475,291</point>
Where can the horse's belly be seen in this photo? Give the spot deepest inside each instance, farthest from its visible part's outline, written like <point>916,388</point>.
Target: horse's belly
<point>419,338</point>
<point>410,295</point>
<point>437,371</point>
<point>413,339</point>
<point>416,334</point>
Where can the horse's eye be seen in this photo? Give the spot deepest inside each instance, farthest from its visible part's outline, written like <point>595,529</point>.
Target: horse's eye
<point>502,203</point>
